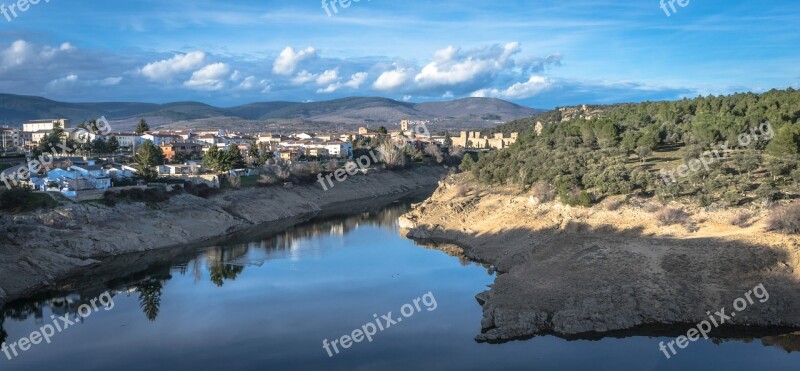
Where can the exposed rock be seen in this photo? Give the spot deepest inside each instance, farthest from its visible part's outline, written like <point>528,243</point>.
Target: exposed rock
<point>572,271</point>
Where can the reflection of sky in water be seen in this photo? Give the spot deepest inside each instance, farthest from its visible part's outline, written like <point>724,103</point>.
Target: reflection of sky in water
<point>281,296</point>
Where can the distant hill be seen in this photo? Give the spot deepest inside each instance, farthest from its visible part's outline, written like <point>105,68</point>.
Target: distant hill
<point>15,109</point>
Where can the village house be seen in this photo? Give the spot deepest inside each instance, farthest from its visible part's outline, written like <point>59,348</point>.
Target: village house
<point>182,149</point>
<point>160,139</point>
<point>9,138</point>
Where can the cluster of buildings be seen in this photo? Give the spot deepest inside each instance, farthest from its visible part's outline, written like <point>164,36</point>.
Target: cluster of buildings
<point>474,139</point>
<point>187,147</point>
<point>12,139</point>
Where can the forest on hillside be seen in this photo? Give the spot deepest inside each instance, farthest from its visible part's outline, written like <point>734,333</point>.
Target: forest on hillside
<point>735,149</point>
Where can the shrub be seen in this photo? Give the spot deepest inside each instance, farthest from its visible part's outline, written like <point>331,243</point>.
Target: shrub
<point>462,190</point>
<point>201,190</point>
<point>671,216</point>
<point>543,191</point>
<point>15,199</point>
<point>740,219</point>
<point>785,219</point>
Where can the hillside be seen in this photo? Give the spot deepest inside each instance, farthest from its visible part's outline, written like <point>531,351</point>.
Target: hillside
<point>470,112</point>
<point>740,149</point>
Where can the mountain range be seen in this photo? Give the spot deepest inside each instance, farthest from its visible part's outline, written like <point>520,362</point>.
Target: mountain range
<point>471,112</point>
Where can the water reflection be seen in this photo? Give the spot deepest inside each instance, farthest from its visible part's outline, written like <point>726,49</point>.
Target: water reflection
<point>196,309</point>
<point>222,264</point>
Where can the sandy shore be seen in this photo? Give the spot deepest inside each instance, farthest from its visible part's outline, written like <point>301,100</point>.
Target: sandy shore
<point>38,249</point>
<point>582,273</point>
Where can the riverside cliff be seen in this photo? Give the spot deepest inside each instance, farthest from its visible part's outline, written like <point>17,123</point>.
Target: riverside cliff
<point>590,272</point>
<point>40,248</point>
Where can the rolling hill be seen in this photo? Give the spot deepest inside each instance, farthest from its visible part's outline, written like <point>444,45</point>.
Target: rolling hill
<point>15,109</point>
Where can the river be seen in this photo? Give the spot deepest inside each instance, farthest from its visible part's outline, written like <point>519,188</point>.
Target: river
<point>269,303</point>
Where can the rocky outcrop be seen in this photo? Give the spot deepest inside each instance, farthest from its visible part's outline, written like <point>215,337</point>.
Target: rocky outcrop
<point>581,273</point>
<point>39,248</point>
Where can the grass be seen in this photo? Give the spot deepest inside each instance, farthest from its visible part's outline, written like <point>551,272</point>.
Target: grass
<point>39,200</point>
<point>249,181</point>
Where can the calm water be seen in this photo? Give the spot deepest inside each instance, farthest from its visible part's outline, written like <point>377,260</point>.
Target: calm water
<point>268,304</point>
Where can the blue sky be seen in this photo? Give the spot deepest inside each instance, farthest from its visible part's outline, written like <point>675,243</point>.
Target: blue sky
<point>537,53</point>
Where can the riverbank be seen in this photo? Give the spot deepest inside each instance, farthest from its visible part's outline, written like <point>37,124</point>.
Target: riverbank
<point>41,248</point>
<point>585,272</point>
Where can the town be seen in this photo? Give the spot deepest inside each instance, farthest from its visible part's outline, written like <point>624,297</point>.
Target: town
<point>100,160</point>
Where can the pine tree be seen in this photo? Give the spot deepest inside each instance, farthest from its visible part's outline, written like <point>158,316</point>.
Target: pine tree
<point>148,157</point>
<point>142,127</point>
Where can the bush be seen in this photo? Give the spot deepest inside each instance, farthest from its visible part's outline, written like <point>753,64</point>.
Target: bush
<point>785,219</point>
<point>671,216</point>
<point>740,219</point>
<point>543,191</point>
<point>15,199</point>
<point>201,190</point>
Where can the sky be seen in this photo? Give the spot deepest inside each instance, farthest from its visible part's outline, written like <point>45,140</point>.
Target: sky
<point>538,53</point>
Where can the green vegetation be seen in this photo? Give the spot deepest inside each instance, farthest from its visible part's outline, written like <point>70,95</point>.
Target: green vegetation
<point>147,157</point>
<point>622,148</point>
<point>220,161</point>
<point>142,127</point>
<point>23,199</point>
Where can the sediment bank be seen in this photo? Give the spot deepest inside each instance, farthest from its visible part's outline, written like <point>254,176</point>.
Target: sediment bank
<point>41,248</point>
<point>585,272</point>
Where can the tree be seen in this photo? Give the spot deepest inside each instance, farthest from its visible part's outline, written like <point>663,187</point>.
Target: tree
<point>150,298</point>
<point>786,141</point>
<point>448,141</point>
<point>434,151</point>
<point>142,127</point>
<point>253,151</point>
<point>211,160</point>
<point>644,153</point>
<point>382,130</point>
<point>148,157</point>
<point>16,198</point>
<point>99,145</point>
<point>234,158</point>
<point>112,145</point>
<point>55,142</point>
<point>468,163</point>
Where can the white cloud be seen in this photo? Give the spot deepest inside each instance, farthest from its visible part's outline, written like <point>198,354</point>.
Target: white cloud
<point>166,69</point>
<point>520,90</point>
<point>391,80</point>
<point>16,54</point>
<point>211,77</point>
<point>357,80</point>
<point>452,66</point>
<point>287,61</point>
<point>109,81</point>
<point>327,77</point>
<point>67,47</point>
<point>354,83</point>
<point>73,80</point>
<point>63,82</point>
<point>303,77</point>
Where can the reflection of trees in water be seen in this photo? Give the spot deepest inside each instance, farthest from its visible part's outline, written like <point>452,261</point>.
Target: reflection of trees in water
<point>222,265</point>
<point>150,297</point>
<point>788,342</point>
<point>3,333</point>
